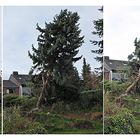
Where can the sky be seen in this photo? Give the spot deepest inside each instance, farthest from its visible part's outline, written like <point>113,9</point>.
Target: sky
<point>121,27</point>
<point>19,33</point>
<point>0,43</point>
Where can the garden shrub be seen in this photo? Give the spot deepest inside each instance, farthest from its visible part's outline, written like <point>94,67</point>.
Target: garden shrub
<point>61,107</point>
<point>88,99</point>
<point>115,88</point>
<point>132,102</point>
<point>121,123</point>
<point>110,107</point>
<point>137,126</point>
<point>68,94</point>
<point>25,102</point>
<point>35,128</point>
<point>9,100</point>
<point>13,121</point>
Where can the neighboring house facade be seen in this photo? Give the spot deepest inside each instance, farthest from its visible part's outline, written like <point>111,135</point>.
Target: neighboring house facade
<point>115,69</point>
<point>10,88</point>
<point>17,84</point>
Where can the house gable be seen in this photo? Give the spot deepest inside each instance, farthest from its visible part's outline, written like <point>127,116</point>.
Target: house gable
<point>115,69</point>
<point>10,88</point>
<point>21,81</point>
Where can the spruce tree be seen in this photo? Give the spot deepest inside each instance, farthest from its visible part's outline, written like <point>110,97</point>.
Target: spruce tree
<point>98,31</point>
<point>57,50</point>
<point>74,77</point>
<point>86,73</point>
<point>134,63</point>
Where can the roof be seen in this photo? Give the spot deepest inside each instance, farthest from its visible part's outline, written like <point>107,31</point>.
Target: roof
<point>116,64</point>
<point>9,84</point>
<point>22,78</point>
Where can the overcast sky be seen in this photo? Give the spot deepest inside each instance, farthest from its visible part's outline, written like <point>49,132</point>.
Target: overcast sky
<point>121,27</point>
<point>0,43</point>
<point>20,32</point>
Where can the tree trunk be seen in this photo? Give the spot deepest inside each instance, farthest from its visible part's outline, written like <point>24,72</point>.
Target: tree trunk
<point>133,84</point>
<point>41,96</point>
<point>38,105</point>
<point>45,85</point>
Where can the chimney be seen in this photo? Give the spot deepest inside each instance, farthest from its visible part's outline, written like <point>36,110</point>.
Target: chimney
<point>15,73</point>
<point>106,57</point>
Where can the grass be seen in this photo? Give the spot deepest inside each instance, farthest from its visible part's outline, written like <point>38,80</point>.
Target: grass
<point>64,118</point>
<point>56,124</point>
<point>48,123</point>
<point>77,131</point>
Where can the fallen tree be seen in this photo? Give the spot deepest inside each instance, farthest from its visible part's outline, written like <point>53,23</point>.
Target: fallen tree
<point>131,87</point>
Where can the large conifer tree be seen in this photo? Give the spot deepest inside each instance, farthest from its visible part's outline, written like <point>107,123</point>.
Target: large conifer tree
<point>58,45</point>
<point>134,63</point>
<point>98,31</point>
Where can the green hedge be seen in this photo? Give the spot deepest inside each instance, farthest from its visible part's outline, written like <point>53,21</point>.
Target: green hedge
<point>91,98</point>
<point>121,123</point>
<point>25,102</point>
<point>114,87</point>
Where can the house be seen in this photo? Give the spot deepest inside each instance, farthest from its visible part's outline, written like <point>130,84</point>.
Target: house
<point>115,69</point>
<point>17,84</point>
<point>10,88</point>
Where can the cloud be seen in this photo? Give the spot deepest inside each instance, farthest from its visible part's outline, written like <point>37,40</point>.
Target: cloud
<point>121,28</point>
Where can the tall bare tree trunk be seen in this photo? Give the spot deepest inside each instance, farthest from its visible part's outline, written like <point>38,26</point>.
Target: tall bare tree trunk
<point>133,84</point>
<point>41,96</point>
<point>43,91</point>
<point>40,99</point>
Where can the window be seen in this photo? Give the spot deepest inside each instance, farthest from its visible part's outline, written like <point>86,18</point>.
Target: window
<point>7,91</point>
<point>11,91</point>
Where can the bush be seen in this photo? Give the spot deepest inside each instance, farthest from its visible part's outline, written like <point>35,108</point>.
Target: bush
<point>89,99</point>
<point>115,88</point>
<point>61,107</point>
<point>132,102</point>
<point>110,107</point>
<point>68,94</point>
<point>121,123</point>
<point>13,121</point>
<point>9,100</point>
<point>25,102</point>
<point>35,128</point>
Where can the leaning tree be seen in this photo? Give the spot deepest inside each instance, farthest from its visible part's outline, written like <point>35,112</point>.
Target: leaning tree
<point>134,63</point>
<point>58,45</point>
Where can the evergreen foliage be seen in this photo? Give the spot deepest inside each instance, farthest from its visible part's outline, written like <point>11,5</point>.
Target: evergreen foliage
<point>98,26</point>
<point>86,73</point>
<point>58,45</point>
<point>134,58</point>
<point>134,63</point>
